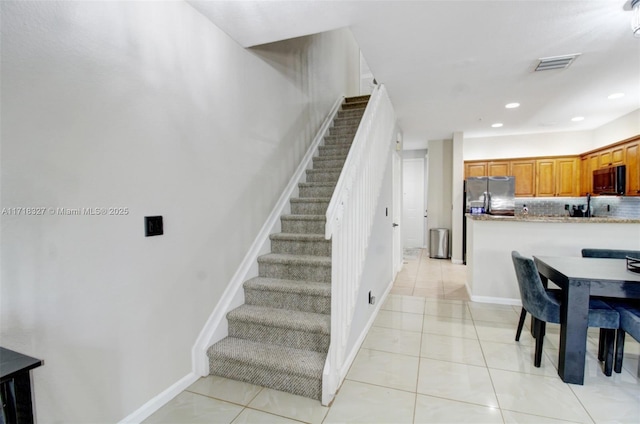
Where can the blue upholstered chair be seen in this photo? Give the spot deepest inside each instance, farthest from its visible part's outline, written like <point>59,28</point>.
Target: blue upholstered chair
<point>612,254</point>
<point>629,323</point>
<point>544,306</point>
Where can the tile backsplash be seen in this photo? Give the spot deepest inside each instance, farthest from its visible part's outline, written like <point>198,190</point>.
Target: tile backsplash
<point>603,206</point>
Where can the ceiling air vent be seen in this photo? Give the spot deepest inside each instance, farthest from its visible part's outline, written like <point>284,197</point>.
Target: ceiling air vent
<point>555,62</point>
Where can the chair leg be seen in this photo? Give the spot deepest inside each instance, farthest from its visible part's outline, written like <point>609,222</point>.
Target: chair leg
<point>601,344</point>
<point>523,316</point>
<point>539,330</point>
<point>609,337</point>
<point>619,351</point>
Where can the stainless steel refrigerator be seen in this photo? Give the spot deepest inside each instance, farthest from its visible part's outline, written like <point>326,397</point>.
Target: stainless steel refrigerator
<point>491,195</point>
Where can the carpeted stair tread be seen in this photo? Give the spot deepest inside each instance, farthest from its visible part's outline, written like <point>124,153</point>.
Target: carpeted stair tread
<point>297,237</point>
<point>331,157</point>
<point>279,359</point>
<point>287,259</point>
<point>310,199</point>
<point>281,318</point>
<point>354,105</point>
<point>317,184</point>
<point>363,98</point>
<point>311,288</point>
<point>305,217</point>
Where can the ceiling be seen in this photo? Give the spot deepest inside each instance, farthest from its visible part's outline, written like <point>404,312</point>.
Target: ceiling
<point>453,65</point>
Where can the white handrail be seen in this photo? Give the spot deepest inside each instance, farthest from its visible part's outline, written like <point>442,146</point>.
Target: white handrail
<point>350,217</point>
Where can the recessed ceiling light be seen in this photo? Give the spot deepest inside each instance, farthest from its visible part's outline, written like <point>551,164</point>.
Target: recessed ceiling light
<point>512,105</point>
<point>615,96</point>
<point>496,125</point>
<point>578,119</point>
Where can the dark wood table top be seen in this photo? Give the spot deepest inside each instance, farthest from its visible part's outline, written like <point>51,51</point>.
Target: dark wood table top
<point>13,363</point>
<point>603,269</point>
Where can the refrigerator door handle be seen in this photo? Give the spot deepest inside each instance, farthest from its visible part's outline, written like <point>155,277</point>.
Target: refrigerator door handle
<point>487,200</point>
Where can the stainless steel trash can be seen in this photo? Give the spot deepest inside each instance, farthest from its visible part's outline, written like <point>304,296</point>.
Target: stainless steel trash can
<point>439,243</point>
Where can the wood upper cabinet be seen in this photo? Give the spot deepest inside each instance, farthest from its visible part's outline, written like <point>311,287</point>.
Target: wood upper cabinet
<point>558,177</point>
<point>545,177</point>
<point>626,152</point>
<point>632,162</point>
<point>565,176</point>
<point>498,168</point>
<point>568,177</point>
<point>525,173</point>
<point>475,169</point>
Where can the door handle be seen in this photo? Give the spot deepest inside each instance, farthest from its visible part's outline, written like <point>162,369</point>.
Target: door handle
<point>395,225</point>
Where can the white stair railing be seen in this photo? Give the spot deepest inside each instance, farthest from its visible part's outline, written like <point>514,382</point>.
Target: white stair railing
<point>350,217</point>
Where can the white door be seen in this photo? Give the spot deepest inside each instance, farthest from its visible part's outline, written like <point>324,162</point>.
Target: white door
<point>413,203</point>
<point>397,213</point>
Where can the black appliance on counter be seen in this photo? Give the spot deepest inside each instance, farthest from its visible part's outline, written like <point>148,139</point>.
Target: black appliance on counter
<point>610,180</point>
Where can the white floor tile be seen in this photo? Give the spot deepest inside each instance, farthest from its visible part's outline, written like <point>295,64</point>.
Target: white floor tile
<point>502,332</point>
<point>516,357</point>
<point>437,410</point>
<point>454,349</point>
<point>225,389</point>
<point>399,321</point>
<point>619,403</point>
<point>445,326</point>
<point>189,407</point>
<point>385,369</point>
<point>409,304</point>
<point>251,416</point>
<point>466,383</point>
<point>364,403</point>
<point>290,406</point>
<point>537,395</point>
<point>394,341</point>
<point>511,417</point>
<point>447,308</point>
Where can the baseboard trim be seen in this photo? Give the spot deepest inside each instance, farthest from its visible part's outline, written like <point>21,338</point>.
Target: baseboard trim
<point>160,400</point>
<point>497,300</point>
<point>216,327</point>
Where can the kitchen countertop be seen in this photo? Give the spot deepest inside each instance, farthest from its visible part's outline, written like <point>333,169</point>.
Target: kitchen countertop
<point>534,218</point>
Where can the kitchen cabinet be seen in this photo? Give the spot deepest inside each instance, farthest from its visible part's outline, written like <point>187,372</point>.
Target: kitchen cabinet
<point>568,177</point>
<point>498,168</point>
<point>626,152</point>
<point>611,157</point>
<point>565,176</point>
<point>475,169</point>
<point>558,177</point>
<point>545,177</point>
<point>525,172</point>
<point>632,162</point>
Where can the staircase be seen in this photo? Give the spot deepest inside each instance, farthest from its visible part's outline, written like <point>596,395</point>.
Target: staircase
<point>280,337</point>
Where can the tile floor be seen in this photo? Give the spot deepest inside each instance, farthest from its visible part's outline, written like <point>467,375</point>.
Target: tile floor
<point>432,356</point>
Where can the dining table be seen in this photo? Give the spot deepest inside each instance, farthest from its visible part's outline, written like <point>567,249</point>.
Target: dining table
<point>580,278</point>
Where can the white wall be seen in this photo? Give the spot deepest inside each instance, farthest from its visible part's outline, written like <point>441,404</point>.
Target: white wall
<point>553,143</point>
<point>527,145</point>
<point>439,197</point>
<point>457,194</point>
<point>146,106</point>
<point>622,128</point>
<point>490,273</point>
